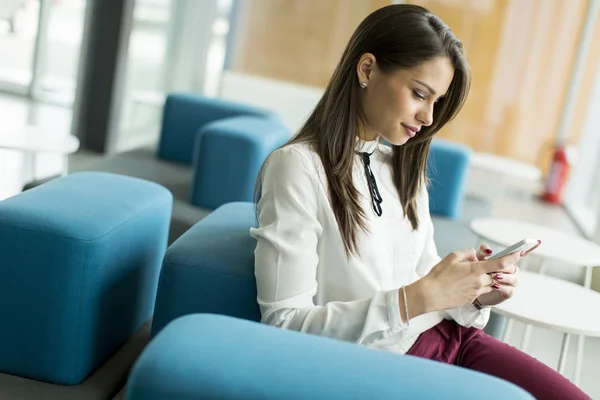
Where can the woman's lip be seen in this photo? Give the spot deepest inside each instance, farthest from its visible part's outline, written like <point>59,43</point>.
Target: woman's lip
<point>409,131</point>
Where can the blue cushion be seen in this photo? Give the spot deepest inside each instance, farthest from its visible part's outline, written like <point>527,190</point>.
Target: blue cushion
<point>210,269</point>
<point>217,357</point>
<point>184,114</point>
<point>80,259</point>
<point>229,154</point>
<point>448,166</point>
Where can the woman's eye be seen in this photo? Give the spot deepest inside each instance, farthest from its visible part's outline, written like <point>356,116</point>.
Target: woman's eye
<point>419,95</point>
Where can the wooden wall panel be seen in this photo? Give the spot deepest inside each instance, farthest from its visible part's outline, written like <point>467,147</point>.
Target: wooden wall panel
<point>521,53</point>
<point>297,41</point>
<point>479,28</point>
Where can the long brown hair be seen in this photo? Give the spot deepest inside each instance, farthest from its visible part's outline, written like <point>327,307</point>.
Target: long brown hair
<point>399,36</point>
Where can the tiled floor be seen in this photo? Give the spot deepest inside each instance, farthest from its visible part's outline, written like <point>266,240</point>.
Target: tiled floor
<point>545,345</point>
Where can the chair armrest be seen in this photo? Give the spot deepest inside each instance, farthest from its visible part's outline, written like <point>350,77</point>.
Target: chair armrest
<point>218,357</point>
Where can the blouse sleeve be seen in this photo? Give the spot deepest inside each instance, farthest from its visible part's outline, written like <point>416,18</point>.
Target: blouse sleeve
<point>467,315</point>
<point>286,260</point>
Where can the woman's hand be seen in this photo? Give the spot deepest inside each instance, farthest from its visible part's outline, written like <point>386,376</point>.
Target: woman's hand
<point>461,277</point>
<point>504,282</point>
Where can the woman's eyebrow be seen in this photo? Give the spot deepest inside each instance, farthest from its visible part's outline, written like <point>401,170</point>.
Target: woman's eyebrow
<point>433,92</point>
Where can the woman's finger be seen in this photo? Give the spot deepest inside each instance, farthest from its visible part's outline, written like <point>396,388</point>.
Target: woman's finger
<point>463,255</point>
<point>539,242</point>
<point>506,291</point>
<point>504,264</point>
<point>505,279</point>
<point>484,252</point>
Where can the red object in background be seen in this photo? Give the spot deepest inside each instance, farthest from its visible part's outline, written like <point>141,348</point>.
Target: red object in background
<point>557,178</point>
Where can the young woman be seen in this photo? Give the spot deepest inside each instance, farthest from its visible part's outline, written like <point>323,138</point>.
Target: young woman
<point>345,241</point>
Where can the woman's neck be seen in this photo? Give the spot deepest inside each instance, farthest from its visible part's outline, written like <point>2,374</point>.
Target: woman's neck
<point>368,137</point>
<point>365,133</point>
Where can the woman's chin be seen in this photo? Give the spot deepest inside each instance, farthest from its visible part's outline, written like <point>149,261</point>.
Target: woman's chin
<point>396,140</point>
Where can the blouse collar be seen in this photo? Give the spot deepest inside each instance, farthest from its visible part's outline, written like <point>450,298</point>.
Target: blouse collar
<point>366,146</point>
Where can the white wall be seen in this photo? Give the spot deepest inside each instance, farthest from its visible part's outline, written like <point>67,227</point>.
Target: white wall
<point>291,101</point>
<point>585,177</point>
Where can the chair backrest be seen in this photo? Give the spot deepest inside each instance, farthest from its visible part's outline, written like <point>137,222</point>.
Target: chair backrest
<point>185,113</point>
<point>447,170</point>
<point>210,269</point>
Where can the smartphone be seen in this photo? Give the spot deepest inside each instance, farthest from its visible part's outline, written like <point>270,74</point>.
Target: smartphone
<point>525,244</point>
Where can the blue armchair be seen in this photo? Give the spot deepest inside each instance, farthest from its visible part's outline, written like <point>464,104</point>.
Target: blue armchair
<point>80,258</point>
<point>448,167</point>
<point>185,114</point>
<point>210,270</point>
<point>207,356</point>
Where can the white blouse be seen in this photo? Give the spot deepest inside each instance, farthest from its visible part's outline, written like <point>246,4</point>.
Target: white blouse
<point>305,280</point>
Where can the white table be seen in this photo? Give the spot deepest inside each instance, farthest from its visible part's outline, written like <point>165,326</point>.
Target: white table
<point>505,165</point>
<point>555,304</point>
<point>33,140</point>
<point>514,170</point>
<point>556,245</point>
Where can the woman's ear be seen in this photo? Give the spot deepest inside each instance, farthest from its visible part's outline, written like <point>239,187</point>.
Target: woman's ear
<point>365,68</point>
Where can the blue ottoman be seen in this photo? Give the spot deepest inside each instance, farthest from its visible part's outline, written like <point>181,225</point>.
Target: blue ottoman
<point>210,269</point>
<point>79,270</point>
<point>447,170</point>
<point>184,114</point>
<point>218,357</point>
<point>228,157</point>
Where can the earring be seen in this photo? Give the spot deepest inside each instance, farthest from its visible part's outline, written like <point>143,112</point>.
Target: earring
<point>363,85</point>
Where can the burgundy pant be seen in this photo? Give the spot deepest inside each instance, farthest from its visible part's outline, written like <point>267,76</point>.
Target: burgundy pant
<point>471,348</point>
